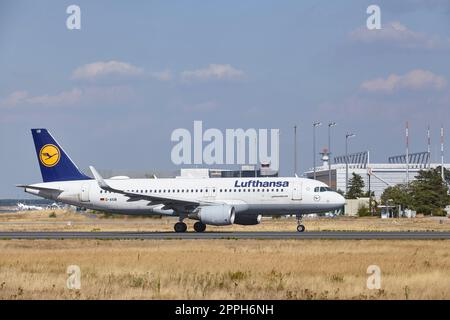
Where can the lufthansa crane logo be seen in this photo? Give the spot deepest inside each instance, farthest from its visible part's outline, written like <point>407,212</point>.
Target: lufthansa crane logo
<point>49,155</point>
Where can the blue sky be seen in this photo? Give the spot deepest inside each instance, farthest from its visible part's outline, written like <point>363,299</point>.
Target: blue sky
<point>113,91</point>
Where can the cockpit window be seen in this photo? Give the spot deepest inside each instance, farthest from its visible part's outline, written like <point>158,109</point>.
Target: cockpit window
<point>322,189</point>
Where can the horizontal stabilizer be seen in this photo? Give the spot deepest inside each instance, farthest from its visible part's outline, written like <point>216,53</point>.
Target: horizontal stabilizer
<point>36,187</point>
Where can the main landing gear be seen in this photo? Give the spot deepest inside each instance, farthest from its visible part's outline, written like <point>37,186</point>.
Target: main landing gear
<point>300,226</point>
<point>180,227</point>
<point>199,226</point>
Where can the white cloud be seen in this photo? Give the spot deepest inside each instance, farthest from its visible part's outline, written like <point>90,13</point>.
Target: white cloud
<point>24,98</point>
<point>212,72</point>
<point>14,98</point>
<point>75,96</point>
<point>61,99</point>
<point>396,34</point>
<point>414,80</point>
<point>164,75</point>
<point>96,70</point>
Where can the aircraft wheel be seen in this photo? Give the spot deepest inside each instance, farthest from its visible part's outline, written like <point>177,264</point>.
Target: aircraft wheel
<point>300,228</point>
<point>180,227</point>
<point>199,226</point>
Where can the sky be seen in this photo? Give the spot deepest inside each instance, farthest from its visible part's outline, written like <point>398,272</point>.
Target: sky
<point>113,91</point>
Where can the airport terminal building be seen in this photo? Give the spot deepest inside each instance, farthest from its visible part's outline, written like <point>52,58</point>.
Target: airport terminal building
<point>377,176</point>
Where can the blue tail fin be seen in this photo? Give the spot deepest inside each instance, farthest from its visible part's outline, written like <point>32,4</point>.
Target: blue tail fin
<point>55,164</point>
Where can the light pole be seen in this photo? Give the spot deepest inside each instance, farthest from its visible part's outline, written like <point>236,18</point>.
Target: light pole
<point>295,150</point>
<point>315,124</point>
<point>330,125</point>
<point>348,135</point>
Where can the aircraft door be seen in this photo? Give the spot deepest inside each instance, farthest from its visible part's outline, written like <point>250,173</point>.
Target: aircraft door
<point>297,191</point>
<point>84,195</point>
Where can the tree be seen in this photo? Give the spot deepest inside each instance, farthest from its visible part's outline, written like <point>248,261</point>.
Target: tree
<point>399,195</point>
<point>446,174</point>
<point>429,192</point>
<point>356,187</point>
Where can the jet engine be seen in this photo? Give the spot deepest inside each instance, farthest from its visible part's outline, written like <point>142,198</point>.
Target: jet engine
<point>217,215</point>
<point>248,219</point>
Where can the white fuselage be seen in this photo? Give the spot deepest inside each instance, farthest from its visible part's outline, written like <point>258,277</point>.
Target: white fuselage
<point>266,196</point>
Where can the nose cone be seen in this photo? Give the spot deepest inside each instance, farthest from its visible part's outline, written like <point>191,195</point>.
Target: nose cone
<point>339,200</point>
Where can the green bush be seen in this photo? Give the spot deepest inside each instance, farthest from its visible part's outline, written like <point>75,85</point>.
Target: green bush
<point>438,212</point>
<point>363,211</point>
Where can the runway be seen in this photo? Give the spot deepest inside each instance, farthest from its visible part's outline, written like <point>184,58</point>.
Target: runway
<point>227,235</point>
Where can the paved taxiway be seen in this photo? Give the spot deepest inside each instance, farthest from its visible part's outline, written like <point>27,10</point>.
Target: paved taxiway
<point>225,235</point>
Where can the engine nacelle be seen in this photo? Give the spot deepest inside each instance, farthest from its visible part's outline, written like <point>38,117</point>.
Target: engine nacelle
<point>217,215</point>
<point>247,219</point>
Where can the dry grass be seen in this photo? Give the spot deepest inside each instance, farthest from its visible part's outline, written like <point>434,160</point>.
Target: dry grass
<point>67,220</point>
<point>224,269</point>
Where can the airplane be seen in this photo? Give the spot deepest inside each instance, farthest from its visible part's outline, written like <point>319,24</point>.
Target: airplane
<point>25,207</point>
<point>53,206</point>
<point>210,201</point>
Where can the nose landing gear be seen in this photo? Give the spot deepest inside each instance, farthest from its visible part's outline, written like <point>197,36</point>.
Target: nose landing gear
<point>300,226</point>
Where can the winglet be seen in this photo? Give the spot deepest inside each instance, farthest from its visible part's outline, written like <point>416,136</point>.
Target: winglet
<point>101,183</point>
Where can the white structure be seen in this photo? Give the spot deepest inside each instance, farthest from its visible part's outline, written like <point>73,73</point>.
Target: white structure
<point>353,205</point>
<point>382,175</point>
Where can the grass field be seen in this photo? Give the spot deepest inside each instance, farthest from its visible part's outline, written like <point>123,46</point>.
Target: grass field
<point>221,269</point>
<point>68,220</point>
<point>224,269</point>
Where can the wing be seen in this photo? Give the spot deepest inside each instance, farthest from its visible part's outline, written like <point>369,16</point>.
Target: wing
<point>168,202</point>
